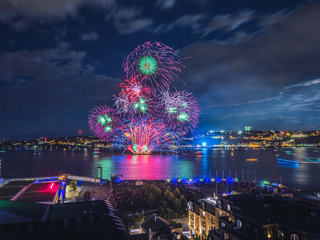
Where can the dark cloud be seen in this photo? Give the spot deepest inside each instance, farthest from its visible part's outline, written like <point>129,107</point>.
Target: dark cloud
<point>165,4</point>
<point>126,21</point>
<point>20,25</point>
<point>257,77</point>
<point>48,88</point>
<point>228,22</point>
<point>89,36</point>
<point>187,21</point>
<point>10,9</point>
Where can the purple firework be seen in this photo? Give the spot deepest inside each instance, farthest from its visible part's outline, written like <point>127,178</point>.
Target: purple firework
<point>103,122</point>
<point>181,110</point>
<point>154,60</point>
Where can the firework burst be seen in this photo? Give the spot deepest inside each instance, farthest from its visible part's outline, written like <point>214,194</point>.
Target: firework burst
<point>145,135</point>
<point>103,122</point>
<point>158,62</point>
<point>135,98</point>
<point>181,110</point>
<point>145,120</point>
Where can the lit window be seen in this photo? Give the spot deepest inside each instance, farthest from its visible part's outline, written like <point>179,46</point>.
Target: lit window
<point>222,224</point>
<point>220,214</point>
<point>226,236</point>
<point>239,223</point>
<point>203,214</point>
<point>280,235</point>
<point>294,237</point>
<point>219,204</point>
<point>228,208</point>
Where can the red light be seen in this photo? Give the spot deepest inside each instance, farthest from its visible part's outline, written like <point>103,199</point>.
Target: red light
<point>51,185</point>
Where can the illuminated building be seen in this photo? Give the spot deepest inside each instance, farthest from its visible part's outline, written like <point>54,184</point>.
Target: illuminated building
<point>249,128</point>
<point>244,217</point>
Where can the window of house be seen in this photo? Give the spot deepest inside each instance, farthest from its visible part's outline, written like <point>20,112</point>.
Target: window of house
<point>203,214</point>
<point>280,235</point>
<point>226,236</point>
<point>239,223</point>
<point>212,227</point>
<point>294,237</point>
<point>219,204</point>
<point>228,207</point>
<point>222,224</point>
<point>204,231</point>
<point>220,214</point>
<point>213,219</point>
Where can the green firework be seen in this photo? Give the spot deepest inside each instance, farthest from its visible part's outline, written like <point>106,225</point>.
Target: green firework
<point>148,65</point>
<point>108,128</point>
<point>183,117</point>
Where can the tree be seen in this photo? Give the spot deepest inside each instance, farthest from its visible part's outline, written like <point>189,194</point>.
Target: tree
<point>171,198</point>
<point>177,205</point>
<point>184,203</point>
<point>73,186</point>
<point>177,193</point>
<point>169,214</point>
<point>166,194</point>
<point>158,194</point>
<point>141,217</point>
<point>150,200</point>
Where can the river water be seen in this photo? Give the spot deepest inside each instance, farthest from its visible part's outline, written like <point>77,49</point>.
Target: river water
<point>52,163</point>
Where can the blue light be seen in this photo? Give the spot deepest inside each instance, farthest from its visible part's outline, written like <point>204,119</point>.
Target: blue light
<point>204,144</point>
<point>230,180</point>
<point>218,179</point>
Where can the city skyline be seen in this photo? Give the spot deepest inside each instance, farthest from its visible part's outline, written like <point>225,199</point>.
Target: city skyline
<point>250,64</point>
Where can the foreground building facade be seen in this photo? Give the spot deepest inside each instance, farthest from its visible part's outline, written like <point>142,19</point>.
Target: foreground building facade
<point>244,217</point>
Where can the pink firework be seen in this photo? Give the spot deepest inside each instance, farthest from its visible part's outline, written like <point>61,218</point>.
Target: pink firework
<point>181,110</point>
<point>103,122</point>
<point>135,97</point>
<point>156,61</point>
<point>146,135</point>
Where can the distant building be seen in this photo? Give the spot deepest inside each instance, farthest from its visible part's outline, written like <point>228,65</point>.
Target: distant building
<point>245,217</point>
<point>249,128</point>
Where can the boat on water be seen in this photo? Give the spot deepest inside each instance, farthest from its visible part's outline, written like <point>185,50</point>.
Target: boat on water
<point>313,160</point>
<point>198,153</point>
<point>252,160</point>
<point>96,151</point>
<point>280,160</point>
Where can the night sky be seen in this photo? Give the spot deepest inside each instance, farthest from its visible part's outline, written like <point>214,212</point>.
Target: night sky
<point>253,63</point>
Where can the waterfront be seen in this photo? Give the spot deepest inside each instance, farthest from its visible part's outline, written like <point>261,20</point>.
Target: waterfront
<point>48,163</point>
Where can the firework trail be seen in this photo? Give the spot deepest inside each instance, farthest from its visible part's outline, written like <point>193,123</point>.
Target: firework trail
<point>146,135</point>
